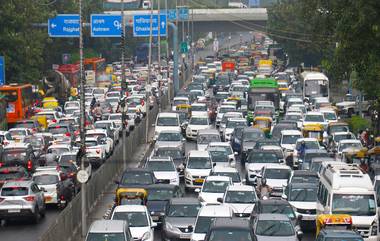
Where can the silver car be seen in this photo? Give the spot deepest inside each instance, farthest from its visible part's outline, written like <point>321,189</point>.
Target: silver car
<point>275,227</point>
<point>22,199</point>
<point>170,138</point>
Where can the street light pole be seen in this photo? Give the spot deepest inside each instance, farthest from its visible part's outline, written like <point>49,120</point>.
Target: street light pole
<point>82,122</point>
<point>159,36</point>
<point>123,86</point>
<point>149,73</point>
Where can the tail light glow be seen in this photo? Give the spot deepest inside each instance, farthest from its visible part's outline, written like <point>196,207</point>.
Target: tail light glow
<point>29,165</point>
<point>29,198</point>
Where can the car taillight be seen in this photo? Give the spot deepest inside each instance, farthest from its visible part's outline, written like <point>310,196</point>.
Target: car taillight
<point>71,174</point>
<point>68,134</point>
<point>1,164</point>
<point>142,102</point>
<point>62,197</point>
<point>29,165</point>
<point>54,120</point>
<point>5,143</point>
<point>29,198</point>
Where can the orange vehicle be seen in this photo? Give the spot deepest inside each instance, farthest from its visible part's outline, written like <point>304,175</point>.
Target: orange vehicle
<point>19,98</point>
<point>96,70</point>
<point>71,72</point>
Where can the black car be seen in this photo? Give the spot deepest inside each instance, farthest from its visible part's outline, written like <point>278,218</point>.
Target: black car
<point>138,178</point>
<point>230,229</point>
<point>158,198</point>
<point>20,155</point>
<point>249,137</point>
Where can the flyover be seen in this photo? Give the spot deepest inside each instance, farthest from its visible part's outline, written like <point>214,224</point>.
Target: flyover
<point>217,20</point>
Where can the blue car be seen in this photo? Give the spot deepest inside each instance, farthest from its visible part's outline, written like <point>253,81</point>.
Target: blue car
<point>333,235</point>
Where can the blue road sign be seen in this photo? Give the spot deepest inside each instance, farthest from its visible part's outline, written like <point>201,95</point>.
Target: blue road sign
<point>105,25</point>
<point>183,13</point>
<point>141,25</point>
<point>2,70</point>
<point>64,26</point>
<point>172,14</point>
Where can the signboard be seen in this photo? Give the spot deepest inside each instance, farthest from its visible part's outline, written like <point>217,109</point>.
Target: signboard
<point>106,25</point>
<point>183,13</point>
<point>172,14</point>
<point>265,62</point>
<point>141,25</point>
<point>64,26</point>
<point>184,48</point>
<point>2,70</point>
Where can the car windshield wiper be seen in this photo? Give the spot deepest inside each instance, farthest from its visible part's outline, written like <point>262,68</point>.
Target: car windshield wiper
<point>264,232</point>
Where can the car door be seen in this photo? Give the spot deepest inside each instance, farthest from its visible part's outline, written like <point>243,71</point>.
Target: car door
<point>39,195</point>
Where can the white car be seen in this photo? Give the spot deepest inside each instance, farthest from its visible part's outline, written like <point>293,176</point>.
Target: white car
<point>113,101</point>
<point>348,144</point>
<point>294,116</point>
<point>180,100</point>
<point>226,116</point>
<point>166,121</point>
<point>213,188</point>
<point>139,221</point>
<point>95,151</point>
<point>71,104</point>
<point>231,124</point>
<point>221,111</point>
<point>103,135</point>
<point>163,169</point>
<point>19,134</point>
<point>313,117</point>
<point>277,176</point>
<point>99,93</point>
<point>330,115</point>
<point>226,146</point>
<point>199,109</point>
<point>49,179</point>
<point>196,123</point>
<point>241,198</point>
<point>198,167</point>
<point>6,138</point>
<point>137,101</point>
<point>231,172</point>
<point>116,118</point>
<point>114,128</point>
<point>288,140</point>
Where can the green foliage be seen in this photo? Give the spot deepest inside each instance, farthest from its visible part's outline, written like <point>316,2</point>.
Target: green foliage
<point>358,123</point>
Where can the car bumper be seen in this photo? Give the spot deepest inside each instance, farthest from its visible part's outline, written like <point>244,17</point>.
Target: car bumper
<point>176,235</point>
<point>16,213</point>
<point>191,183</point>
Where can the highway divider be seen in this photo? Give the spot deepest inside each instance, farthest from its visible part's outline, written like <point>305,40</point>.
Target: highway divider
<point>68,223</point>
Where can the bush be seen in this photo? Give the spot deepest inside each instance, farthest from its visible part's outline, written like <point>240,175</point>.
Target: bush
<point>358,123</point>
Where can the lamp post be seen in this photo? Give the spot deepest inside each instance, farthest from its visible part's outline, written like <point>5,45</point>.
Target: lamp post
<point>123,86</point>
<point>149,73</point>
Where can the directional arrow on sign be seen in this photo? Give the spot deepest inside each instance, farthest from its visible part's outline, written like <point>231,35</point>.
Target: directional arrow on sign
<point>53,25</point>
<point>163,24</point>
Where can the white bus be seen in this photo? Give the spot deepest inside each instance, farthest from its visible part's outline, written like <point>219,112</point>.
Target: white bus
<point>345,189</point>
<point>315,84</point>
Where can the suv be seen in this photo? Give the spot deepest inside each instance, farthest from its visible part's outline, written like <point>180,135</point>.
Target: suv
<point>18,154</point>
<point>103,229</point>
<point>21,199</point>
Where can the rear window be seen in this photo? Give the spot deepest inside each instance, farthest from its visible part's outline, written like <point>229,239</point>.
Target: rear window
<point>58,130</point>
<point>14,191</point>
<point>10,175</point>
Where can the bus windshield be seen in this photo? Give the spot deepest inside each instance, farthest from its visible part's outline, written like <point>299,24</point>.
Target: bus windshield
<point>355,205</point>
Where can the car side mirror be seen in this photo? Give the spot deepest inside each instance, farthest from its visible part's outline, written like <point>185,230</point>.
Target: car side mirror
<point>190,228</point>
<point>219,199</point>
<point>154,224</point>
<point>284,196</point>
<point>197,190</point>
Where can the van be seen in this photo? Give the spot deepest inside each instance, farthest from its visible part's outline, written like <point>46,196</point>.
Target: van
<point>166,121</point>
<point>345,189</point>
<point>205,217</point>
<point>109,229</point>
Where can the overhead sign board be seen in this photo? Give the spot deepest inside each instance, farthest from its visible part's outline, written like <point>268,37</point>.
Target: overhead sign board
<point>141,25</point>
<point>2,70</point>
<point>172,14</point>
<point>64,26</point>
<point>106,25</point>
<point>183,13</point>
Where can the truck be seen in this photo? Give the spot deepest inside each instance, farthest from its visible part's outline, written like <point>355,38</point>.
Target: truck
<point>56,85</point>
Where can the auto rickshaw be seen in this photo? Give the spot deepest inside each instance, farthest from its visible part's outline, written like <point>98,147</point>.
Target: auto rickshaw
<point>355,156</point>
<point>49,103</point>
<point>186,108</point>
<point>264,123</point>
<point>131,196</point>
<point>42,120</point>
<point>313,131</point>
<point>337,127</point>
<point>333,221</point>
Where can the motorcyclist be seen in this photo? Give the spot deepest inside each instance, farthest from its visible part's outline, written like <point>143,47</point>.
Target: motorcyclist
<point>301,150</point>
<point>264,189</point>
<point>97,112</point>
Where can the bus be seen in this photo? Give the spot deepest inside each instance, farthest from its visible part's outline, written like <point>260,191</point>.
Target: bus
<point>95,70</point>
<point>71,72</point>
<point>315,84</point>
<point>19,99</point>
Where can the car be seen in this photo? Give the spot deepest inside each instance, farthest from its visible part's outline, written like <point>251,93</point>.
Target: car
<point>179,219</point>
<point>112,129</point>
<point>275,226</point>
<point>348,144</point>
<point>279,206</point>
<point>250,136</point>
<point>103,229</point>
<point>313,117</point>
<point>158,197</point>
<point>174,152</point>
<point>199,109</point>
<point>256,160</point>
<point>164,169</point>
<point>96,151</point>
<point>52,116</point>
<point>63,133</point>
<point>166,121</point>
<point>22,199</point>
<point>205,137</point>
<point>226,148</point>
<point>310,144</point>
<point>213,188</point>
<point>198,166</point>
<point>226,117</point>
<point>19,134</point>
<point>13,173</point>
<point>221,111</point>
<point>38,144</point>
<point>205,217</point>
<point>288,141</point>
<point>230,229</point>
<point>139,221</point>
<point>170,138</point>
<point>338,136</point>
<point>231,124</point>
<point>6,138</point>
<point>276,176</point>
<point>32,124</point>
<point>304,176</point>
<point>310,154</point>
<point>136,178</point>
<point>109,142</point>
<point>196,123</point>
<point>241,198</point>
<point>180,100</point>
<point>303,197</point>
<point>231,172</point>
<point>19,154</point>
<point>338,234</point>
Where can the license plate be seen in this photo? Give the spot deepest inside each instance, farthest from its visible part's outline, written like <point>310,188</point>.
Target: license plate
<point>155,218</point>
<point>48,199</point>
<point>308,218</point>
<point>17,140</point>
<point>13,210</point>
<point>184,236</point>
<point>199,180</point>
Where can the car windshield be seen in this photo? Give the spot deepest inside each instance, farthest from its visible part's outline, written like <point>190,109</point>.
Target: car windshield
<point>355,145</point>
<point>340,137</point>
<point>314,118</point>
<point>355,205</point>
<point>13,154</point>
<point>272,173</point>
<point>338,128</point>
<point>134,219</point>
<point>105,237</point>
<point>226,109</point>
<point>91,143</point>
<point>303,194</point>
<point>215,186</point>
<point>183,210</point>
<point>29,125</point>
<point>290,139</point>
<point>165,136</point>
<point>280,209</point>
<point>261,157</point>
<point>235,177</point>
<point>233,124</point>
<point>160,166</point>
<point>305,179</point>
<point>310,145</point>
<point>230,234</point>
<point>35,142</point>
<point>345,239</point>
<point>71,104</point>
<point>293,117</point>
<point>102,125</point>
<point>175,154</point>
<point>219,156</point>
<point>207,138</point>
<point>17,132</point>
<point>160,194</point>
<point>180,102</point>
<point>167,121</point>
<point>198,108</point>
<point>114,117</point>
<point>14,191</point>
<point>226,149</point>
<point>198,121</point>
<point>45,179</point>
<point>329,116</point>
<point>252,136</point>
<point>274,228</point>
<point>137,178</point>
<point>199,163</point>
<point>203,224</point>
<point>240,197</point>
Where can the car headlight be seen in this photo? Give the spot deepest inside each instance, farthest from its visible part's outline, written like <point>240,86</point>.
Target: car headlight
<point>146,236</point>
<point>374,229</point>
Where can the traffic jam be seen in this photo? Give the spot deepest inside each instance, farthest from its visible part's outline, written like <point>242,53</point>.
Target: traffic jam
<point>247,150</point>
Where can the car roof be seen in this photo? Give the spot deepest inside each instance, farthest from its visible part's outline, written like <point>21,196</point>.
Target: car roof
<point>273,202</point>
<point>228,223</point>
<point>108,226</point>
<point>17,183</point>
<point>215,211</point>
<point>303,173</point>
<point>170,131</point>
<point>162,186</point>
<point>197,153</point>
<point>167,114</point>
<point>276,166</point>
<point>218,178</point>
<point>350,141</point>
<point>291,132</point>
<point>218,169</point>
<point>241,188</point>
<point>315,151</point>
